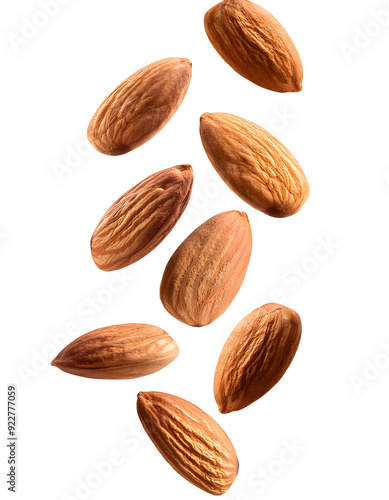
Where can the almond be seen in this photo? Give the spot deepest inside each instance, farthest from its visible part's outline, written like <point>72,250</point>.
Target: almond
<point>256,355</point>
<point>189,440</point>
<point>118,352</point>
<point>254,164</point>
<point>207,270</point>
<point>140,106</point>
<point>255,45</point>
<point>140,219</point>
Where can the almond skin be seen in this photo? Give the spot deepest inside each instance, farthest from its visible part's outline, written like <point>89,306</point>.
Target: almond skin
<point>207,270</point>
<point>255,45</point>
<point>189,440</point>
<point>140,219</point>
<point>254,164</point>
<point>118,352</point>
<point>140,106</point>
<point>256,355</point>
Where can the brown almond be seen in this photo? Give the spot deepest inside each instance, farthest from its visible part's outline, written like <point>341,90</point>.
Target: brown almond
<point>191,441</point>
<point>118,352</point>
<point>255,45</point>
<point>140,106</point>
<point>254,164</point>
<point>140,219</point>
<point>256,355</point>
<point>207,270</point>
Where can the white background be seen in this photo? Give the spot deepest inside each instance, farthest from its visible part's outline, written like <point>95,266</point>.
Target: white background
<point>329,404</point>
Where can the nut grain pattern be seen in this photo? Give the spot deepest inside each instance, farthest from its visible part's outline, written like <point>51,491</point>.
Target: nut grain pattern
<point>190,440</point>
<point>255,45</point>
<point>255,356</point>
<point>207,270</point>
<point>140,106</point>
<point>118,352</point>
<point>141,218</point>
<point>254,164</point>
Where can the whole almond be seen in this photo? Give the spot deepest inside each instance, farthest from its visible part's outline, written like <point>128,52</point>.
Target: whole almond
<point>256,355</point>
<point>255,45</point>
<point>140,219</point>
<point>190,440</point>
<point>140,106</point>
<point>254,164</point>
<point>118,352</point>
<point>207,270</point>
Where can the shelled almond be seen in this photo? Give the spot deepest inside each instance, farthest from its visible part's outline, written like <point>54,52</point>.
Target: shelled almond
<point>118,352</point>
<point>140,106</point>
<point>256,355</point>
<point>207,270</point>
<point>141,218</point>
<point>190,440</point>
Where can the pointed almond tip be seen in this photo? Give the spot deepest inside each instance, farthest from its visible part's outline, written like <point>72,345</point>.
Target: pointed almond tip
<point>185,60</point>
<point>55,362</point>
<point>186,168</point>
<point>205,116</point>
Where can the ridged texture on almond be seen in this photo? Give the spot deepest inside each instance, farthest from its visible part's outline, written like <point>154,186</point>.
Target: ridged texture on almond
<point>140,106</point>
<point>207,270</point>
<point>255,45</point>
<point>190,440</point>
<point>254,164</point>
<point>256,355</point>
<point>118,352</point>
<point>140,219</point>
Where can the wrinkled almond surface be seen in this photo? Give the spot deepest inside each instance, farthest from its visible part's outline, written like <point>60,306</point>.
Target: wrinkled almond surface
<point>255,45</point>
<point>256,355</point>
<point>140,219</point>
<point>207,270</point>
<point>140,106</point>
<point>118,352</point>
<point>254,164</point>
<point>190,440</point>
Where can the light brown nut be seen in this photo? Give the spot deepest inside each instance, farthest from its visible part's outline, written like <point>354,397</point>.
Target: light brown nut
<point>207,270</point>
<point>255,45</point>
<point>140,219</point>
<point>118,352</point>
<point>140,106</point>
<point>256,355</point>
<point>190,440</point>
<point>254,164</point>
